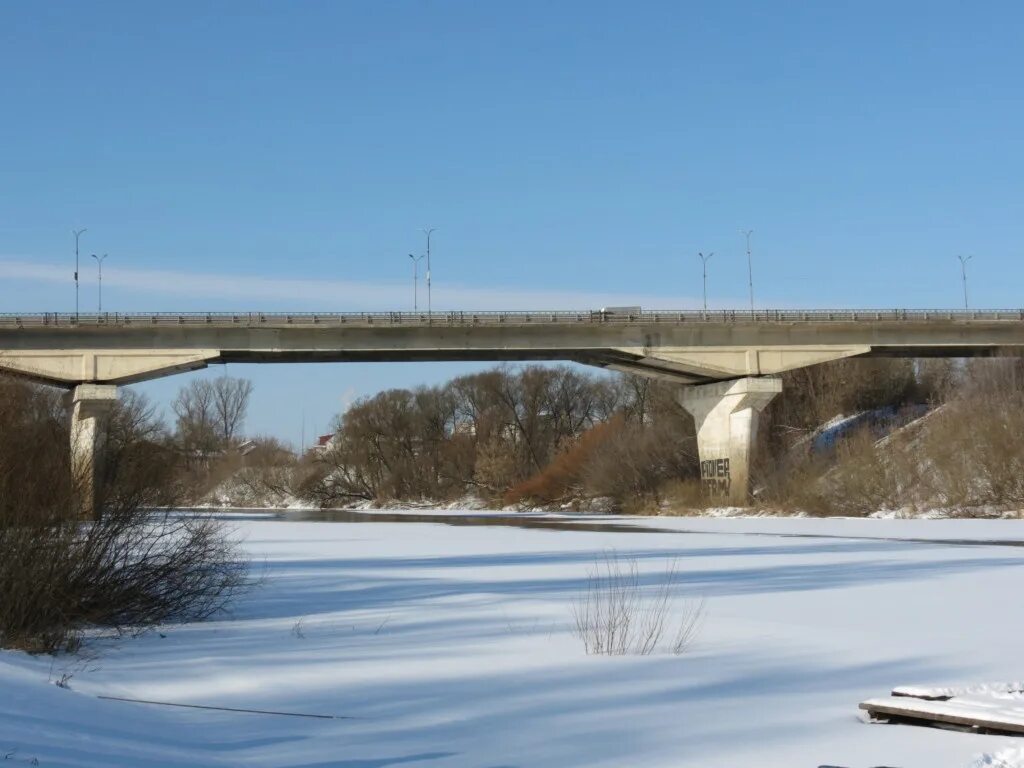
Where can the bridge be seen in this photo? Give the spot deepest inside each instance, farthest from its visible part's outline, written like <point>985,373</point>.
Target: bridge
<point>723,360</point>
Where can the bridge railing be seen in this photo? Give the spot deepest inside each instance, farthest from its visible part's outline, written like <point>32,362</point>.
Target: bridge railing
<point>461,318</point>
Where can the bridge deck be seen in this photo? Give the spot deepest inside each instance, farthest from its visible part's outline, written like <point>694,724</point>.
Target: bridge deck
<point>660,317</point>
<point>685,346</point>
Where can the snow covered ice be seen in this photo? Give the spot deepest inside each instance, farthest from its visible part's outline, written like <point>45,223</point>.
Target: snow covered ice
<point>452,646</point>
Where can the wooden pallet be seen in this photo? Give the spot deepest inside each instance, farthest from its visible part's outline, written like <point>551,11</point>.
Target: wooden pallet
<point>940,713</point>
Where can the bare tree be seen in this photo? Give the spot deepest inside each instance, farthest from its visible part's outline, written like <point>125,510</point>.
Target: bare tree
<point>195,418</point>
<point>211,413</point>
<point>230,405</point>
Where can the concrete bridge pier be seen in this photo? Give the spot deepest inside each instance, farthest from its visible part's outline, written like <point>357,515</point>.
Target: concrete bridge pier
<point>88,405</point>
<point>726,415</point>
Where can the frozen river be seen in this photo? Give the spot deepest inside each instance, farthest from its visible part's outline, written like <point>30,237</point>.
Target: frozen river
<point>451,645</point>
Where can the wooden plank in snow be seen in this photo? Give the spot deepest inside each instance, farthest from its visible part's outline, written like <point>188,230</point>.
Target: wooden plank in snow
<point>943,714</point>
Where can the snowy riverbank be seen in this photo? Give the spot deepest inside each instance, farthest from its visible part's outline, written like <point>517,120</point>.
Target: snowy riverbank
<point>451,646</point>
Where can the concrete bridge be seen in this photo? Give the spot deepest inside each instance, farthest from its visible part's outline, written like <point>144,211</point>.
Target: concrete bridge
<point>723,360</point>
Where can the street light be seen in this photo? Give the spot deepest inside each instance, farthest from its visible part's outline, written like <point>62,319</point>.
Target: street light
<point>99,265</point>
<point>705,259</point>
<point>428,232</point>
<point>77,233</point>
<point>963,274</point>
<point>750,269</point>
<point>415,281</point>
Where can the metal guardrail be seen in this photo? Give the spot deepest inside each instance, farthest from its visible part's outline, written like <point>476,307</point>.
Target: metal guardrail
<point>337,319</point>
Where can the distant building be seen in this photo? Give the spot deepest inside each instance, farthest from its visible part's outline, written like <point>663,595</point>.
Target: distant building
<point>324,442</point>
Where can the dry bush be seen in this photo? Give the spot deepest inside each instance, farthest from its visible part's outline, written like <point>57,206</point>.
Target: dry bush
<point>860,476</point>
<point>127,570</point>
<point>813,395</point>
<point>857,477</point>
<point>792,486</point>
<point>495,467</point>
<point>864,478</point>
<point>270,474</point>
<point>264,486</point>
<point>966,456</point>
<point>123,572</point>
<point>564,475</point>
<point>636,461</point>
<point>33,423</point>
<point>973,447</point>
<point>200,475</point>
<point>614,616</point>
<point>683,497</point>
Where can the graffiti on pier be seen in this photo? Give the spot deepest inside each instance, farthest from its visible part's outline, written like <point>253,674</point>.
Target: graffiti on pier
<point>715,477</point>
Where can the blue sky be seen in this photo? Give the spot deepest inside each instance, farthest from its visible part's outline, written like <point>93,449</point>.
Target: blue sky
<point>239,155</point>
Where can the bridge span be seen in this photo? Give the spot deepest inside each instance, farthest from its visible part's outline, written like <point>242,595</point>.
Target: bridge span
<point>724,360</point>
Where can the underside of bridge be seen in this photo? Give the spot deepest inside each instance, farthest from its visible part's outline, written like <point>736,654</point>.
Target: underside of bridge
<point>724,362</point>
<point>725,408</point>
<point>70,367</point>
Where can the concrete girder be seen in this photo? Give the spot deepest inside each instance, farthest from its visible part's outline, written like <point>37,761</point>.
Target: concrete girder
<point>68,367</point>
<point>649,367</point>
<point>659,373</point>
<point>710,363</point>
<point>726,416</point>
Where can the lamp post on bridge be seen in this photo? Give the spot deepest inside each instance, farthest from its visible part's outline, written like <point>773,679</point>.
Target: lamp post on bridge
<point>428,232</point>
<point>99,265</point>
<point>750,269</point>
<point>704,260</point>
<point>415,281</point>
<point>77,233</point>
<point>963,274</point>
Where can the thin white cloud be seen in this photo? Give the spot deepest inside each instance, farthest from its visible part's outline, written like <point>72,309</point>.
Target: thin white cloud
<point>327,295</point>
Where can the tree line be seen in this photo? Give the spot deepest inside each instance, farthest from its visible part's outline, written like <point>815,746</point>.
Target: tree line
<point>565,436</point>
<point>507,434</point>
<point>557,436</point>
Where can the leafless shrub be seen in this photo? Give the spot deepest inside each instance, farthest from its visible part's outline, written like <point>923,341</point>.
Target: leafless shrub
<point>636,461</point>
<point>689,626</point>
<point>973,447</point>
<point>813,395</point>
<point>564,475</point>
<point>614,616</point>
<point>64,681</point>
<point>683,497</point>
<point>267,473</point>
<point>864,478</point>
<point>965,457</point>
<point>126,570</point>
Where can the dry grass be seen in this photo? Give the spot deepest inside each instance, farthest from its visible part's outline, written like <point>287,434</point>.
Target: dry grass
<point>683,498</point>
<point>616,615</point>
<point>966,457</point>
